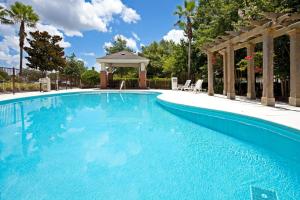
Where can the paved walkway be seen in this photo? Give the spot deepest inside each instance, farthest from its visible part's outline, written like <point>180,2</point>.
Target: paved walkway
<point>281,113</point>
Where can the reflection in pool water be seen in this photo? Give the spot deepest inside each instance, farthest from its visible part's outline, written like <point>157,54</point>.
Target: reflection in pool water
<point>126,146</point>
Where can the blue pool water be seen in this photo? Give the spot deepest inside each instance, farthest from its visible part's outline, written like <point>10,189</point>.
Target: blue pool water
<point>133,146</point>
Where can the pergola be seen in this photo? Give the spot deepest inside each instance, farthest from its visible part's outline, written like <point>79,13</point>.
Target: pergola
<point>122,59</point>
<point>265,30</point>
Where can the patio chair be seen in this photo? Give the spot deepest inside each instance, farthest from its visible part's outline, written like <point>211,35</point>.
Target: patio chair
<point>186,86</point>
<point>198,86</point>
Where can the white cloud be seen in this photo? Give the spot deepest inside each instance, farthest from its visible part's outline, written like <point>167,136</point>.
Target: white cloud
<point>130,16</point>
<point>82,60</point>
<point>136,36</point>
<point>130,42</point>
<point>67,17</point>
<point>107,45</point>
<point>175,36</point>
<point>89,54</point>
<point>9,45</point>
<point>75,16</point>
<point>52,30</point>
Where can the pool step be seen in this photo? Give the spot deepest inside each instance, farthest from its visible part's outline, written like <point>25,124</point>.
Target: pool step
<point>262,194</point>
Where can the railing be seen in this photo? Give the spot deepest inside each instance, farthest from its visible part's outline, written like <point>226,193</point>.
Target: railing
<point>122,85</point>
<point>12,82</point>
<point>13,73</point>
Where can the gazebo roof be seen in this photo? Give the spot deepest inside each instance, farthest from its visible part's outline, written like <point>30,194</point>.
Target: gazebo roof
<point>123,55</point>
<point>122,59</point>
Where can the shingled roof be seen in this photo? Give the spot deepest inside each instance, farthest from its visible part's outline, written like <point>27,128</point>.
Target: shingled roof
<point>123,55</point>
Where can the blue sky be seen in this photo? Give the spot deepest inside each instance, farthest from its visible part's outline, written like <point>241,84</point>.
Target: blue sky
<point>86,26</point>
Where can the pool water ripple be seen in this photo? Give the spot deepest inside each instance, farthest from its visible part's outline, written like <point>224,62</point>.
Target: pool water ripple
<point>128,146</point>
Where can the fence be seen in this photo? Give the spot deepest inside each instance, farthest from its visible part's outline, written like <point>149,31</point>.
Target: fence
<point>8,80</point>
<point>12,82</point>
<point>133,83</point>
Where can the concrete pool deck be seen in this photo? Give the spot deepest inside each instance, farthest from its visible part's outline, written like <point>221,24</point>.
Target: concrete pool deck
<point>282,113</point>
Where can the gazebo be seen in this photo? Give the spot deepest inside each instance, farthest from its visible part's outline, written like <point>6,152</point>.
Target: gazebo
<point>122,59</point>
<point>265,30</point>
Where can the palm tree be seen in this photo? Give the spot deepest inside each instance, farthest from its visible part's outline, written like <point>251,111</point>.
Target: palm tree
<point>25,15</point>
<point>3,15</point>
<point>185,22</point>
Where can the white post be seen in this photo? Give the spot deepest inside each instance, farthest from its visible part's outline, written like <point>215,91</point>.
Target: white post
<point>294,99</point>
<point>268,69</point>
<point>210,71</point>
<point>231,69</point>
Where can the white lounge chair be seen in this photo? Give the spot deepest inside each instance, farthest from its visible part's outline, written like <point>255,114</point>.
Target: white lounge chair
<point>198,86</point>
<point>186,86</point>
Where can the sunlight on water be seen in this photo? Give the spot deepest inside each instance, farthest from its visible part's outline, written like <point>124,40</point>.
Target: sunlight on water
<point>126,146</point>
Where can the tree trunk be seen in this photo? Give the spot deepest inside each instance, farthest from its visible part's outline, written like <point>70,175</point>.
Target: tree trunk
<point>21,44</point>
<point>189,60</point>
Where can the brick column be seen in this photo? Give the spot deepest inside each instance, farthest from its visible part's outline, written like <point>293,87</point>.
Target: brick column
<point>251,72</point>
<point>110,79</point>
<point>268,69</point>
<point>103,77</point>
<point>210,70</point>
<point>143,77</point>
<point>230,75</point>
<point>294,99</point>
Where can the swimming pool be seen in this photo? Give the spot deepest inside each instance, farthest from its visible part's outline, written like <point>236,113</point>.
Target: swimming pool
<point>134,146</point>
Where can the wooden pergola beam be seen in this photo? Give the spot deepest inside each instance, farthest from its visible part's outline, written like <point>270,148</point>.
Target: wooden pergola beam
<point>258,22</point>
<point>246,28</point>
<point>283,18</point>
<point>294,17</point>
<point>233,33</point>
<point>272,16</point>
<point>254,35</point>
<point>226,37</point>
<point>294,25</point>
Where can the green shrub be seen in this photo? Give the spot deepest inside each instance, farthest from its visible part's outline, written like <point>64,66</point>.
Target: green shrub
<point>133,83</point>
<point>90,78</point>
<point>4,76</point>
<point>33,86</point>
<point>19,87</point>
<point>32,75</point>
<point>159,83</point>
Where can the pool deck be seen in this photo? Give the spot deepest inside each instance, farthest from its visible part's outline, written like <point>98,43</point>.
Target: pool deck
<point>282,113</point>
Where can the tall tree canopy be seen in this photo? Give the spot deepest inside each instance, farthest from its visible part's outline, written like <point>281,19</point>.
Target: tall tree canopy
<point>45,53</point>
<point>74,68</point>
<point>25,16</point>
<point>4,16</point>
<point>214,17</point>
<point>169,59</point>
<point>186,16</point>
<point>117,45</point>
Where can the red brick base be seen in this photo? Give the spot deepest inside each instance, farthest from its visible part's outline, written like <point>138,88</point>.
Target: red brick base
<point>142,80</point>
<point>110,79</point>
<point>103,80</point>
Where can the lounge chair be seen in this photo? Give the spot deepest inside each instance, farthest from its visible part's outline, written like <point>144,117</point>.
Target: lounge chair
<point>198,86</point>
<point>186,86</point>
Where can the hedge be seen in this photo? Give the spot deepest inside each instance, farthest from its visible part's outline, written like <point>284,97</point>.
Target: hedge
<point>7,87</point>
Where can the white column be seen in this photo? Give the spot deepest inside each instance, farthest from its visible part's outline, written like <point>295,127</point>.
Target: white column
<point>231,70</point>
<point>210,71</point>
<point>268,69</point>
<point>294,99</point>
<point>251,72</point>
<point>225,76</point>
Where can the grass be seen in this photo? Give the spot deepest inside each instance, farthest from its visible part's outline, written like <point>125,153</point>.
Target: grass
<point>19,87</point>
